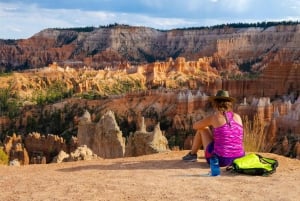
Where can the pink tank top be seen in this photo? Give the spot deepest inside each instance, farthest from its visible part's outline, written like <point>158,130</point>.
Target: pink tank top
<point>228,138</point>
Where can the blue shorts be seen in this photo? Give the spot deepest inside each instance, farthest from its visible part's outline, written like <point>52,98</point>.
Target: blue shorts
<point>223,161</point>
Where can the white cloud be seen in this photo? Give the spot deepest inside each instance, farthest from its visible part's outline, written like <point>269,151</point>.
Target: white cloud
<point>236,5</point>
<point>32,19</point>
<point>20,20</point>
<point>295,5</point>
<point>159,23</point>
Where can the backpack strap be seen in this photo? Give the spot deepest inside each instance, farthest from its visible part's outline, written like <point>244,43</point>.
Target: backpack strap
<point>272,162</point>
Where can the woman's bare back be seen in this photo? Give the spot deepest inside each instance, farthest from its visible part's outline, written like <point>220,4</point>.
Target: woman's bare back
<point>218,119</point>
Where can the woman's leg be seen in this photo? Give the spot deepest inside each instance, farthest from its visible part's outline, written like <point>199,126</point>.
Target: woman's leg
<point>197,142</point>
<point>206,137</point>
<point>207,140</point>
<point>202,137</point>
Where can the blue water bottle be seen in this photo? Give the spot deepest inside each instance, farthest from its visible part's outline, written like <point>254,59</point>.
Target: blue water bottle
<point>214,165</point>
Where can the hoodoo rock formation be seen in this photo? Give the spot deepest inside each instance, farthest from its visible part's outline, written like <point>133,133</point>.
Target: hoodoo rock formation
<point>36,148</point>
<point>104,138</point>
<point>143,142</point>
<point>15,149</point>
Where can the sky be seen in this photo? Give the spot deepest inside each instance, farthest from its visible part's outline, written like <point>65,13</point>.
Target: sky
<point>21,19</point>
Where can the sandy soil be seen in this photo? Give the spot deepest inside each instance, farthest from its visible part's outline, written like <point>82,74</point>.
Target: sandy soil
<point>153,177</point>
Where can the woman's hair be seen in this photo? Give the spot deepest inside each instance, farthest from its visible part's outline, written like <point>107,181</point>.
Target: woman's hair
<point>222,105</point>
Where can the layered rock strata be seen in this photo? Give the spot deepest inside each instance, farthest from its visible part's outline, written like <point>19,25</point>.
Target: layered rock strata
<point>231,48</point>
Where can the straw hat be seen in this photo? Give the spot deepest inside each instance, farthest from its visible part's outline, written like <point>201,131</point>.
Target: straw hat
<point>222,95</point>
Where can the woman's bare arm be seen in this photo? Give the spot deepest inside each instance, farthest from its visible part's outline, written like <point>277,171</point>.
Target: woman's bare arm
<point>203,123</point>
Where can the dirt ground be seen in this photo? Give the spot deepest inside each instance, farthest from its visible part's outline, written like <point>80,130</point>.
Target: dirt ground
<point>162,176</point>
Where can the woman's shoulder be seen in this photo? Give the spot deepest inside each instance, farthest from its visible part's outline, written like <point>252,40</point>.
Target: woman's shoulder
<point>236,114</point>
<point>237,118</point>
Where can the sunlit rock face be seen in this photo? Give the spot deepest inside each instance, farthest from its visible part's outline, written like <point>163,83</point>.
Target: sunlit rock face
<point>144,143</point>
<point>104,138</point>
<point>43,146</point>
<point>35,148</point>
<point>14,148</point>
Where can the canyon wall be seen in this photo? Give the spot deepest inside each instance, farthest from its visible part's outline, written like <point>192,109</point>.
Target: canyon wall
<point>106,140</point>
<point>230,48</point>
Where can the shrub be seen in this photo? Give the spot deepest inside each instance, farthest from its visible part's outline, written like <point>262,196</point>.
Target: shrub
<point>3,157</point>
<point>254,134</point>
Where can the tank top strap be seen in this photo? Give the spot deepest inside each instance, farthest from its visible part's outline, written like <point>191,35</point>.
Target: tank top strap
<point>228,117</point>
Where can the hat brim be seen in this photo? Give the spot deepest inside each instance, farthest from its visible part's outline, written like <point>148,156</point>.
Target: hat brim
<point>213,98</point>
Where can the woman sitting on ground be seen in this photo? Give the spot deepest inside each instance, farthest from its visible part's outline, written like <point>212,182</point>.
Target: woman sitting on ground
<point>221,133</point>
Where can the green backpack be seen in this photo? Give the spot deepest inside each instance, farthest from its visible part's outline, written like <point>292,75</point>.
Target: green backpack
<point>254,164</point>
